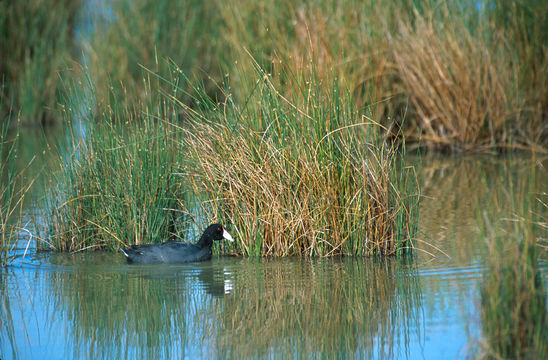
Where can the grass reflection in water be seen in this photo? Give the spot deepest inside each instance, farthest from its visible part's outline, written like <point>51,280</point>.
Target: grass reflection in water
<point>292,308</point>
<point>228,308</point>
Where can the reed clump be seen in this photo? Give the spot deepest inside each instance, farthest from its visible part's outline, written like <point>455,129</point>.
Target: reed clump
<point>37,41</point>
<point>116,185</point>
<point>513,294</point>
<point>458,87</point>
<point>307,174</point>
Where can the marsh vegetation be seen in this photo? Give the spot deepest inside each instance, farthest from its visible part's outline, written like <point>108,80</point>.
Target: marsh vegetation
<point>291,123</point>
<point>460,76</point>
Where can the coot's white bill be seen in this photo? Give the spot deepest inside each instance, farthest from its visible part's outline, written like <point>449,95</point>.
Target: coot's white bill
<point>226,235</point>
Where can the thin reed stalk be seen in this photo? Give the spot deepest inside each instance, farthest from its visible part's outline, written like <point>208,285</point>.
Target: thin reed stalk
<point>13,190</point>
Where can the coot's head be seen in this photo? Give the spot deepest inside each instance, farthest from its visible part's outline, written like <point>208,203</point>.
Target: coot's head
<point>217,232</point>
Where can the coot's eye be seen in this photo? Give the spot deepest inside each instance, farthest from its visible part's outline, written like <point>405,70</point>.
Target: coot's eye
<point>219,230</point>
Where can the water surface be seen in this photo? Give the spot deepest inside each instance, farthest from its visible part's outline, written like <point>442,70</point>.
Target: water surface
<point>426,306</point>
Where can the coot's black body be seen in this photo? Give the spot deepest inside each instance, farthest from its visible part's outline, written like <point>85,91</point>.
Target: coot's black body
<point>173,252</point>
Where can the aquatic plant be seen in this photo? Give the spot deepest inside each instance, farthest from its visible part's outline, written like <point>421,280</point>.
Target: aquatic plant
<point>115,185</point>
<point>307,175</point>
<point>304,173</point>
<point>513,294</point>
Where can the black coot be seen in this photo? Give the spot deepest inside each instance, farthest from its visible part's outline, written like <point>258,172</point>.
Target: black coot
<point>173,252</point>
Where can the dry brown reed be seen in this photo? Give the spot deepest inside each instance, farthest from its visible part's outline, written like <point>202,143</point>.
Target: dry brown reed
<point>310,177</point>
<point>457,87</point>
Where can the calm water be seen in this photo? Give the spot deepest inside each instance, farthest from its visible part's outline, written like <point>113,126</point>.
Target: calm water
<point>95,306</point>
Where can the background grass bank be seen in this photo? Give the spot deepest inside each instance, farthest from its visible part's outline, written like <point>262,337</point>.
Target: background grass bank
<point>137,34</point>
<point>36,43</point>
<point>457,76</point>
<point>446,72</point>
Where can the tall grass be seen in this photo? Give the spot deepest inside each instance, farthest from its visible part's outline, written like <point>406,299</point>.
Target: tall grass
<point>513,294</point>
<point>13,190</point>
<point>116,185</point>
<point>301,173</point>
<point>308,174</point>
<point>36,43</point>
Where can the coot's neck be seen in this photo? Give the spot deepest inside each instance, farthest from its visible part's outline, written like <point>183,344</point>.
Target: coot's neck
<point>205,241</point>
